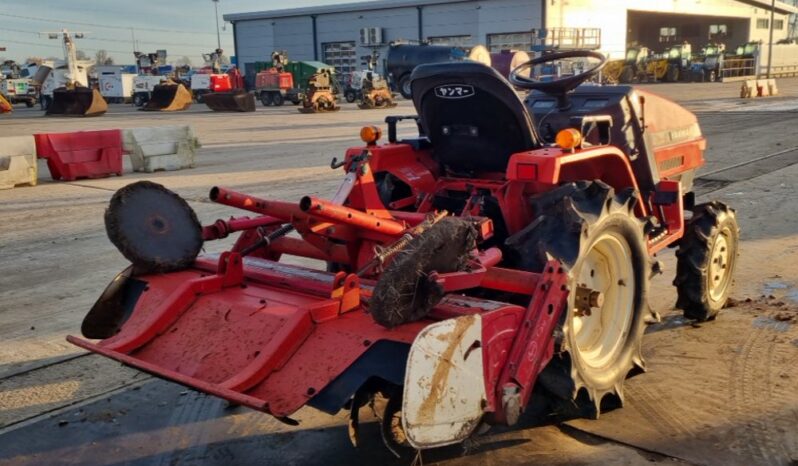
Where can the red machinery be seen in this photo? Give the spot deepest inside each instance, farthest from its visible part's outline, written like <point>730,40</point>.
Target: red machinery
<point>467,268</point>
<point>228,94</point>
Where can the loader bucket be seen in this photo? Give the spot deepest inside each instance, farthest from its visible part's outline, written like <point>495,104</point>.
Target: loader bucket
<point>168,98</point>
<point>80,101</point>
<point>234,101</point>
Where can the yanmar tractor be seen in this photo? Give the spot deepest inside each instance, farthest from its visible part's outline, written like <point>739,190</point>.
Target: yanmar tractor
<point>505,251</point>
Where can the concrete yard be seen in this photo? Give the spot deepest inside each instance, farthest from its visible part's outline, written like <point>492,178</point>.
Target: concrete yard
<point>720,393</point>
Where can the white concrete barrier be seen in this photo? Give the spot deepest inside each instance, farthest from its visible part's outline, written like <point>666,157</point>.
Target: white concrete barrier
<point>17,161</point>
<point>160,148</point>
<point>748,89</point>
<point>772,88</point>
<point>762,89</point>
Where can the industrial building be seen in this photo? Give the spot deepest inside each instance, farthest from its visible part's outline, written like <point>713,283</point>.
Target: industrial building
<point>341,34</point>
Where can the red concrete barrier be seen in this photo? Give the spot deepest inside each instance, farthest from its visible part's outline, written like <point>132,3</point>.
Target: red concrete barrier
<point>82,154</point>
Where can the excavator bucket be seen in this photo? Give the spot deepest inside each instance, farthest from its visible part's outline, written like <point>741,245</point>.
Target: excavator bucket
<point>168,98</point>
<point>80,101</point>
<point>5,107</point>
<point>233,101</point>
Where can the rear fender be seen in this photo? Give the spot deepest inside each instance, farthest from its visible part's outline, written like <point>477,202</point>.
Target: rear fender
<point>552,166</point>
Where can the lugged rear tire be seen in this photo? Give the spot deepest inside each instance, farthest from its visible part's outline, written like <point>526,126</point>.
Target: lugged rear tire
<point>706,259</point>
<point>587,227</point>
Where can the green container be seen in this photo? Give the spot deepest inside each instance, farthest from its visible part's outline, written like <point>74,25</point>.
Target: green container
<point>301,70</point>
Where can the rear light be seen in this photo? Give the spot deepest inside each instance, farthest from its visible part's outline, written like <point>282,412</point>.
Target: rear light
<point>569,138</point>
<point>370,134</point>
<point>527,171</point>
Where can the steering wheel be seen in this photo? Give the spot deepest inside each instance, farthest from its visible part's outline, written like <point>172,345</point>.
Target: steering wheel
<point>558,86</point>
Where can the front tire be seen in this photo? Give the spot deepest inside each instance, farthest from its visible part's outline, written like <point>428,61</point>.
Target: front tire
<point>404,87</point>
<point>596,237</point>
<point>139,100</point>
<point>707,257</point>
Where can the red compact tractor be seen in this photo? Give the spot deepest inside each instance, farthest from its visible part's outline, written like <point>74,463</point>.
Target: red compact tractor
<point>505,251</point>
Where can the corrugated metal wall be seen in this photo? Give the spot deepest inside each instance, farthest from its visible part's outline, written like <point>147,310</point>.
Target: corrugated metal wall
<point>256,39</point>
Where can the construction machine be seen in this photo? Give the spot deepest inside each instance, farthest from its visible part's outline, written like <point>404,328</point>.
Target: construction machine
<point>375,93</point>
<point>679,61</point>
<point>707,66</point>
<point>158,88</point>
<point>284,80</point>
<point>67,85</point>
<point>403,58</point>
<point>5,106</point>
<point>276,84</point>
<point>503,252</point>
<point>368,88</point>
<point>741,62</point>
<point>16,85</point>
<point>321,94</point>
<point>633,67</point>
<point>221,91</point>
<point>657,67</point>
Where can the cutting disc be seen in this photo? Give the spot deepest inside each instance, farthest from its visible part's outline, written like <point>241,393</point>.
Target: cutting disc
<point>153,227</point>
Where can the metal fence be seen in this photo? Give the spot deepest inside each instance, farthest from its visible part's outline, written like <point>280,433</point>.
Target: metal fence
<point>738,68</point>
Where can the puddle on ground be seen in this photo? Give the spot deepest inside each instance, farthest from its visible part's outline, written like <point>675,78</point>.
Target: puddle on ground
<point>770,323</point>
<point>777,287</point>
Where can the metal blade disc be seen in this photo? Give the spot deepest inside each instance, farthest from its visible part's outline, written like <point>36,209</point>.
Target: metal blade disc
<point>153,227</point>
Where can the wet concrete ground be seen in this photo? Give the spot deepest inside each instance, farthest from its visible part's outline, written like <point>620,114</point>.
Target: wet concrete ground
<point>719,394</point>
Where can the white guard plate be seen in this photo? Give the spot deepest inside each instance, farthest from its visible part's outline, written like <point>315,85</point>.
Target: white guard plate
<point>444,388</point>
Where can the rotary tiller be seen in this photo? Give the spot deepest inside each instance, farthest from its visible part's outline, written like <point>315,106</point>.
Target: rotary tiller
<point>503,252</point>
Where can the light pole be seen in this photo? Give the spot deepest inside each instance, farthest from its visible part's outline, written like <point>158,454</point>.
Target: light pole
<point>218,37</point>
<point>770,43</point>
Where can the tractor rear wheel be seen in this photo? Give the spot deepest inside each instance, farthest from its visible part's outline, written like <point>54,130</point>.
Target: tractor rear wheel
<point>707,256</point>
<point>266,98</point>
<point>595,235</point>
<point>277,99</point>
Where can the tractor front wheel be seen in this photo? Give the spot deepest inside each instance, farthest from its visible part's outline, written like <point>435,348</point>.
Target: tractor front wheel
<point>596,236</point>
<point>707,256</point>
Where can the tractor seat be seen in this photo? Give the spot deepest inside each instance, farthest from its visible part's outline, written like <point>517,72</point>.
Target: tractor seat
<point>472,116</point>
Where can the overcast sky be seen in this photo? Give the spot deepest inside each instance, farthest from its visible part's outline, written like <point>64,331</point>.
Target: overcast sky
<point>108,25</point>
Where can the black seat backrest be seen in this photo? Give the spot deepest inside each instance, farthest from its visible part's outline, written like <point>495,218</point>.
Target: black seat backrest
<point>472,115</point>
